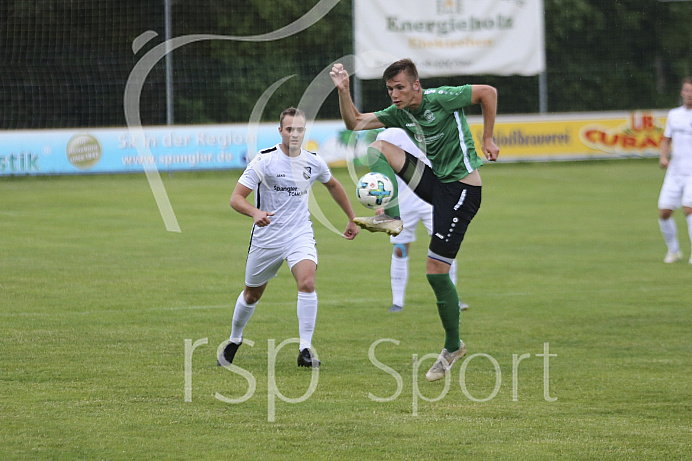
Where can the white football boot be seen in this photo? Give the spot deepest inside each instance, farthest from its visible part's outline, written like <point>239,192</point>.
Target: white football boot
<point>381,223</point>
<point>444,363</point>
<point>672,257</point>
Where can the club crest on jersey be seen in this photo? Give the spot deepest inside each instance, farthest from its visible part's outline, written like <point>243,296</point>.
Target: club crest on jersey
<point>429,116</point>
<point>307,171</point>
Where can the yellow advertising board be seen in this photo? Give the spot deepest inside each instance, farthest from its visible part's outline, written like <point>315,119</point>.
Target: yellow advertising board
<point>576,136</point>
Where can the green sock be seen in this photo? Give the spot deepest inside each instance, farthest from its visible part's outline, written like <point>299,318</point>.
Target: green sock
<point>379,164</point>
<point>447,307</point>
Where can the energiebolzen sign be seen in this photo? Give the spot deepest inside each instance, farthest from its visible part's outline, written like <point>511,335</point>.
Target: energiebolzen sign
<point>450,37</point>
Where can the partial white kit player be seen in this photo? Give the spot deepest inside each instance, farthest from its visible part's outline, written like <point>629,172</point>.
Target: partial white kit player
<point>413,210</point>
<point>676,191</point>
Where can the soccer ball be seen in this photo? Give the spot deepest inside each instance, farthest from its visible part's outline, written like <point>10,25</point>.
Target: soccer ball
<point>374,190</point>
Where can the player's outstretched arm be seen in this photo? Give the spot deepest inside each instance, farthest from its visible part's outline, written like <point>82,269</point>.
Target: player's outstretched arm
<point>664,158</point>
<point>486,96</point>
<point>353,119</point>
<point>240,204</point>
<point>338,193</point>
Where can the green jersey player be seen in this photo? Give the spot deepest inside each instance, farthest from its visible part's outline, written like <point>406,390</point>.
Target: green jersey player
<point>435,120</point>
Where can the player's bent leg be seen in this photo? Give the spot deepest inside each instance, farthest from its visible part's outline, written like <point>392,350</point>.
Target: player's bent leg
<point>385,158</point>
<point>244,308</point>
<point>416,174</point>
<point>394,155</point>
<point>380,163</point>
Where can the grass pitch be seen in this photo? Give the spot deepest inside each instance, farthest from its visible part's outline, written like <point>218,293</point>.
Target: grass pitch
<point>578,334</point>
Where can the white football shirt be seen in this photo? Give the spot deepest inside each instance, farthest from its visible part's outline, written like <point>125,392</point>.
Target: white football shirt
<point>679,129</point>
<point>282,184</point>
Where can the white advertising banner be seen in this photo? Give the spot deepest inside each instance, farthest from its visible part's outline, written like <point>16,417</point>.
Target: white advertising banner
<point>450,37</point>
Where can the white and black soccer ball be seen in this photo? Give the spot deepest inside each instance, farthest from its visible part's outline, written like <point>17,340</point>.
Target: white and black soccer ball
<point>374,190</point>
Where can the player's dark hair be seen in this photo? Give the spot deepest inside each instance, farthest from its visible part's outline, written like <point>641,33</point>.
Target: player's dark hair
<point>403,65</point>
<point>290,112</point>
<point>686,80</point>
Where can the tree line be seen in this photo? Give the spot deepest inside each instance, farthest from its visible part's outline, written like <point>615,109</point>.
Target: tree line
<point>65,64</point>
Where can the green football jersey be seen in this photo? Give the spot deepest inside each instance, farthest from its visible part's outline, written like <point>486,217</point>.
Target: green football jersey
<point>439,127</point>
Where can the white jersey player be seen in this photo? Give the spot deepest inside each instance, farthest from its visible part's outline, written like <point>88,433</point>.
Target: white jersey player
<point>281,177</point>
<point>676,191</point>
<point>413,210</point>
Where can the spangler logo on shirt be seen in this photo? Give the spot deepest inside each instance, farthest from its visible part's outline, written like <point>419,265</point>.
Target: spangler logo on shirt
<point>641,134</point>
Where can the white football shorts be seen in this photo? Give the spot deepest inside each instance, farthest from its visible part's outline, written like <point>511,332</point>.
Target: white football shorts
<point>263,264</point>
<point>412,210</point>
<point>675,192</point>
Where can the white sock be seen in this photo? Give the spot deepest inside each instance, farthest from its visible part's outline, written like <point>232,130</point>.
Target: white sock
<point>670,234</point>
<point>689,225</point>
<point>399,276</point>
<point>453,272</point>
<point>241,316</point>
<point>307,314</point>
